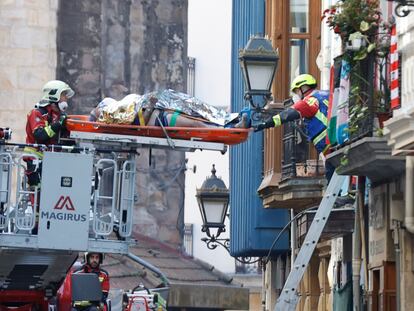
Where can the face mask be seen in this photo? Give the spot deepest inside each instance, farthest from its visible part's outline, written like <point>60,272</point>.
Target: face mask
<point>296,98</point>
<point>63,106</point>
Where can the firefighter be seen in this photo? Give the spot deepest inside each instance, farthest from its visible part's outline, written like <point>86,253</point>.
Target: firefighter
<point>92,264</point>
<point>311,105</point>
<point>44,123</point>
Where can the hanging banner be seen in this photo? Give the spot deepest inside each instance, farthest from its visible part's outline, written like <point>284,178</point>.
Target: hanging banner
<point>335,77</point>
<point>343,104</point>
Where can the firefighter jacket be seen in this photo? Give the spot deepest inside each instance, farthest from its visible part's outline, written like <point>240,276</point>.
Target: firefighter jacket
<point>103,279</point>
<point>314,109</point>
<point>42,127</point>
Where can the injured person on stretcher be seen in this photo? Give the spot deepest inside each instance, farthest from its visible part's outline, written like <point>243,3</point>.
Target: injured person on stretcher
<point>166,108</point>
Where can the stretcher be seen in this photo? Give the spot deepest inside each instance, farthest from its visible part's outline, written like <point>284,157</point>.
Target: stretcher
<point>227,136</point>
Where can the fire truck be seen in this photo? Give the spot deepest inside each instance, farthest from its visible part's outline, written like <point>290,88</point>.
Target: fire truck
<point>85,204</point>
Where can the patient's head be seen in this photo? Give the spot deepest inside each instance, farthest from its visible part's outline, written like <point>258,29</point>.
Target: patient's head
<point>130,109</point>
<point>96,113</point>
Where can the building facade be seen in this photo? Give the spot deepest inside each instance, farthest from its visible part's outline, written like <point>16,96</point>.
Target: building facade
<point>399,133</point>
<point>363,260</point>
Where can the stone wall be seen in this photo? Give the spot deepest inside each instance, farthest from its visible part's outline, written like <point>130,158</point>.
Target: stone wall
<point>27,58</point>
<point>111,48</point>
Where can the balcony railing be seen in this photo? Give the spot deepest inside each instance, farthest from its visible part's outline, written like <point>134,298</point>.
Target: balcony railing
<point>368,99</point>
<point>361,148</point>
<point>296,158</point>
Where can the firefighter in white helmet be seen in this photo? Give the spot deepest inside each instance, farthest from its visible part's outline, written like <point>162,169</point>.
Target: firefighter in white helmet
<point>45,122</point>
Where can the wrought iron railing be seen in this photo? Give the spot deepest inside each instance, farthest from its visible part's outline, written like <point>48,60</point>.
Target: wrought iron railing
<point>361,122</point>
<point>296,158</point>
<point>369,97</point>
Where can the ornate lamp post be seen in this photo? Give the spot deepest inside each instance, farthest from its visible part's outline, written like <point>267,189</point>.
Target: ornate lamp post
<point>258,61</point>
<point>213,201</point>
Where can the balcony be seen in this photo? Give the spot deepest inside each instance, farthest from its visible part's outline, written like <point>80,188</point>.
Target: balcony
<point>362,149</point>
<point>340,223</point>
<point>301,181</point>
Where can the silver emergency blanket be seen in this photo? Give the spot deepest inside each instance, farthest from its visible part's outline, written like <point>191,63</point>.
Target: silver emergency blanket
<point>125,110</point>
<point>186,104</point>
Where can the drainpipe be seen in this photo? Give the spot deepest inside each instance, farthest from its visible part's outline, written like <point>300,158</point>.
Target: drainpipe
<point>397,248</point>
<point>356,251</point>
<point>264,263</point>
<point>293,238</point>
<point>150,267</point>
<point>409,195</point>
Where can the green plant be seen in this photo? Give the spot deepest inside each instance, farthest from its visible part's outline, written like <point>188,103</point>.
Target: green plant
<point>343,161</point>
<point>356,114</point>
<point>366,44</point>
<point>349,16</point>
<point>360,20</point>
<point>381,100</point>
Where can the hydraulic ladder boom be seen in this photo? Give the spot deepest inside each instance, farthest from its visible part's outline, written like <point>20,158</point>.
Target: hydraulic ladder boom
<point>289,297</point>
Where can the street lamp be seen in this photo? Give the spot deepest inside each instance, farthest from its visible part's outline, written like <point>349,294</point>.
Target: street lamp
<point>213,201</point>
<point>258,61</point>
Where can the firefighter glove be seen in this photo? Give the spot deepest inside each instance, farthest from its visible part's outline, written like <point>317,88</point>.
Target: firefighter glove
<point>63,119</point>
<point>56,127</point>
<point>259,127</point>
<point>264,125</point>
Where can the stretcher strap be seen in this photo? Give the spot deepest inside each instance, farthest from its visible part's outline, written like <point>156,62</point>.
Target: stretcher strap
<point>169,140</point>
<point>141,117</point>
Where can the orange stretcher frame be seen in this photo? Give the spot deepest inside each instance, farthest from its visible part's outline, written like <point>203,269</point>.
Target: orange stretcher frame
<point>228,136</point>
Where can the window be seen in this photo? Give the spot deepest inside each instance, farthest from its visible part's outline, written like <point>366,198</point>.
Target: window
<point>295,29</point>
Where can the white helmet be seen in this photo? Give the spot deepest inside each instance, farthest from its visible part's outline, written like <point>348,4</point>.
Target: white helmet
<point>52,91</point>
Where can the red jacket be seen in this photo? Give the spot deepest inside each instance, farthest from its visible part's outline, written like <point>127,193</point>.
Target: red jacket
<point>308,106</point>
<point>39,126</point>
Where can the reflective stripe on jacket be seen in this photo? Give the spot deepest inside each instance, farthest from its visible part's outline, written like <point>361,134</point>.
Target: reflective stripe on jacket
<point>41,119</point>
<point>314,109</point>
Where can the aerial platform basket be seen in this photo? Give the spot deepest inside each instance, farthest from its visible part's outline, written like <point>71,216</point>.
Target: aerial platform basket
<point>227,136</point>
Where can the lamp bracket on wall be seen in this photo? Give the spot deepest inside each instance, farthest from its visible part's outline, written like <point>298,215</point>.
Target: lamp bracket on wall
<point>212,242</point>
<point>401,9</point>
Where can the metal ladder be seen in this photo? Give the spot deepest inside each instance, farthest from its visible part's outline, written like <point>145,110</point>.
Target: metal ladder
<point>288,297</point>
